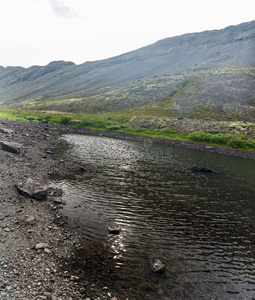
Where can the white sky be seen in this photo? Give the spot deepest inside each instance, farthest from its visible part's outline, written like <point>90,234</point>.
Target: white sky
<point>36,32</point>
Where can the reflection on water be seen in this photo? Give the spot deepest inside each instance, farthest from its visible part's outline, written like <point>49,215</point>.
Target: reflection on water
<point>201,225</point>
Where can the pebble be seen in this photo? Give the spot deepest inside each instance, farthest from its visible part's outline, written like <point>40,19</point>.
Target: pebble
<point>30,220</point>
<point>47,250</point>
<point>41,246</point>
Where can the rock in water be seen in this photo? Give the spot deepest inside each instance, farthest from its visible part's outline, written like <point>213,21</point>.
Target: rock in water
<point>32,189</point>
<point>158,266</point>
<point>114,229</point>
<point>12,147</point>
<point>201,169</point>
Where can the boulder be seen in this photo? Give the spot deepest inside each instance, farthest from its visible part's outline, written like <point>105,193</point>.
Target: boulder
<point>12,147</point>
<point>32,189</point>
<point>158,266</point>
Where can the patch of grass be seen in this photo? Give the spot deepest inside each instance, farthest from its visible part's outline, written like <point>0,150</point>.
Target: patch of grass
<point>229,140</point>
<point>168,101</point>
<point>11,116</point>
<point>120,121</point>
<point>113,127</point>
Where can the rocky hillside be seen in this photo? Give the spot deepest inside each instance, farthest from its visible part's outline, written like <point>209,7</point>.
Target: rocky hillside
<point>211,72</point>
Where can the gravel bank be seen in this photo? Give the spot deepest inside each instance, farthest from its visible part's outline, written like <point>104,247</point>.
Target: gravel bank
<point>35,241</point>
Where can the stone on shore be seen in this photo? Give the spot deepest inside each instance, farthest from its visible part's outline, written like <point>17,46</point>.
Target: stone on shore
<point>11,147</point>
<point>32,189</point>
<point>41,246</point>
<point>30,220</point>
<point>158,266</point>
<point>6,131</point>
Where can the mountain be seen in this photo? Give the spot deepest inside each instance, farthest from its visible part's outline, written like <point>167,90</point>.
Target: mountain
<point>212,70</point>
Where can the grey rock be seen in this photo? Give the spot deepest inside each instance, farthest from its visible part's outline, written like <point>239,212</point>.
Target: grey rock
<point>209,147</point>
<point>57,201</point>
<point>201,169</point>
<point>114,229</point>
<point>6,131</point>
<point>41,246</point>
<point>158,266</point>
<point>30,220</point>
<point>214,132</point>
<point>12,147</point>
<point>32,189</point>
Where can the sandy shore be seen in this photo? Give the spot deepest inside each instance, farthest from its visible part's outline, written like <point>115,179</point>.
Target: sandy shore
<point>27,223</point>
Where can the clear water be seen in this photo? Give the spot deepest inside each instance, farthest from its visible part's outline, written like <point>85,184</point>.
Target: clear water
<point>200,225</point>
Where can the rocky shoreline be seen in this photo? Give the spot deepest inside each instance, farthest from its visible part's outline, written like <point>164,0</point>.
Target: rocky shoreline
<point>35,241</point>
<point>34,238</point>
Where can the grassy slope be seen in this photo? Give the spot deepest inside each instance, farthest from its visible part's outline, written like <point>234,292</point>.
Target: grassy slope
<point>215,94</point>
<point>204,79</point>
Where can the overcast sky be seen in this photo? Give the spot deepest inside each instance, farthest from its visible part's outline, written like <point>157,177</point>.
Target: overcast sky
<point>36,32</point>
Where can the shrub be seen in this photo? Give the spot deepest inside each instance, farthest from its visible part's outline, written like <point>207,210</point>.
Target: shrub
<point>87,123</point>
<point>65,119</point>
<point>32,118</point>
<point>113,127</point>
<point>223,139</point>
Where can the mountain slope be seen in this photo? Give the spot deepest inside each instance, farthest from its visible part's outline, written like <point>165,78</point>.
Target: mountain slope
<point>162,74</point>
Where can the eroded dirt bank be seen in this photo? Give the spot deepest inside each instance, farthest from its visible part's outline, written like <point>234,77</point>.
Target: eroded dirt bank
<point>35,242</point>
<point>27,223</point>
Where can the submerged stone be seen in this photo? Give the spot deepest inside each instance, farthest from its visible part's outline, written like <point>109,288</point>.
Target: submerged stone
<point>114,229</point>
<point>201,169</point>
<point>158,266</point>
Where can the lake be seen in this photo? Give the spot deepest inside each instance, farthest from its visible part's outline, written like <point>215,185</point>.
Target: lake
<point>200,225</point>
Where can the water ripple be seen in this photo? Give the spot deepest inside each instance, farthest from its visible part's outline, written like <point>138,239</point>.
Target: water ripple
<point>202,226</point>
